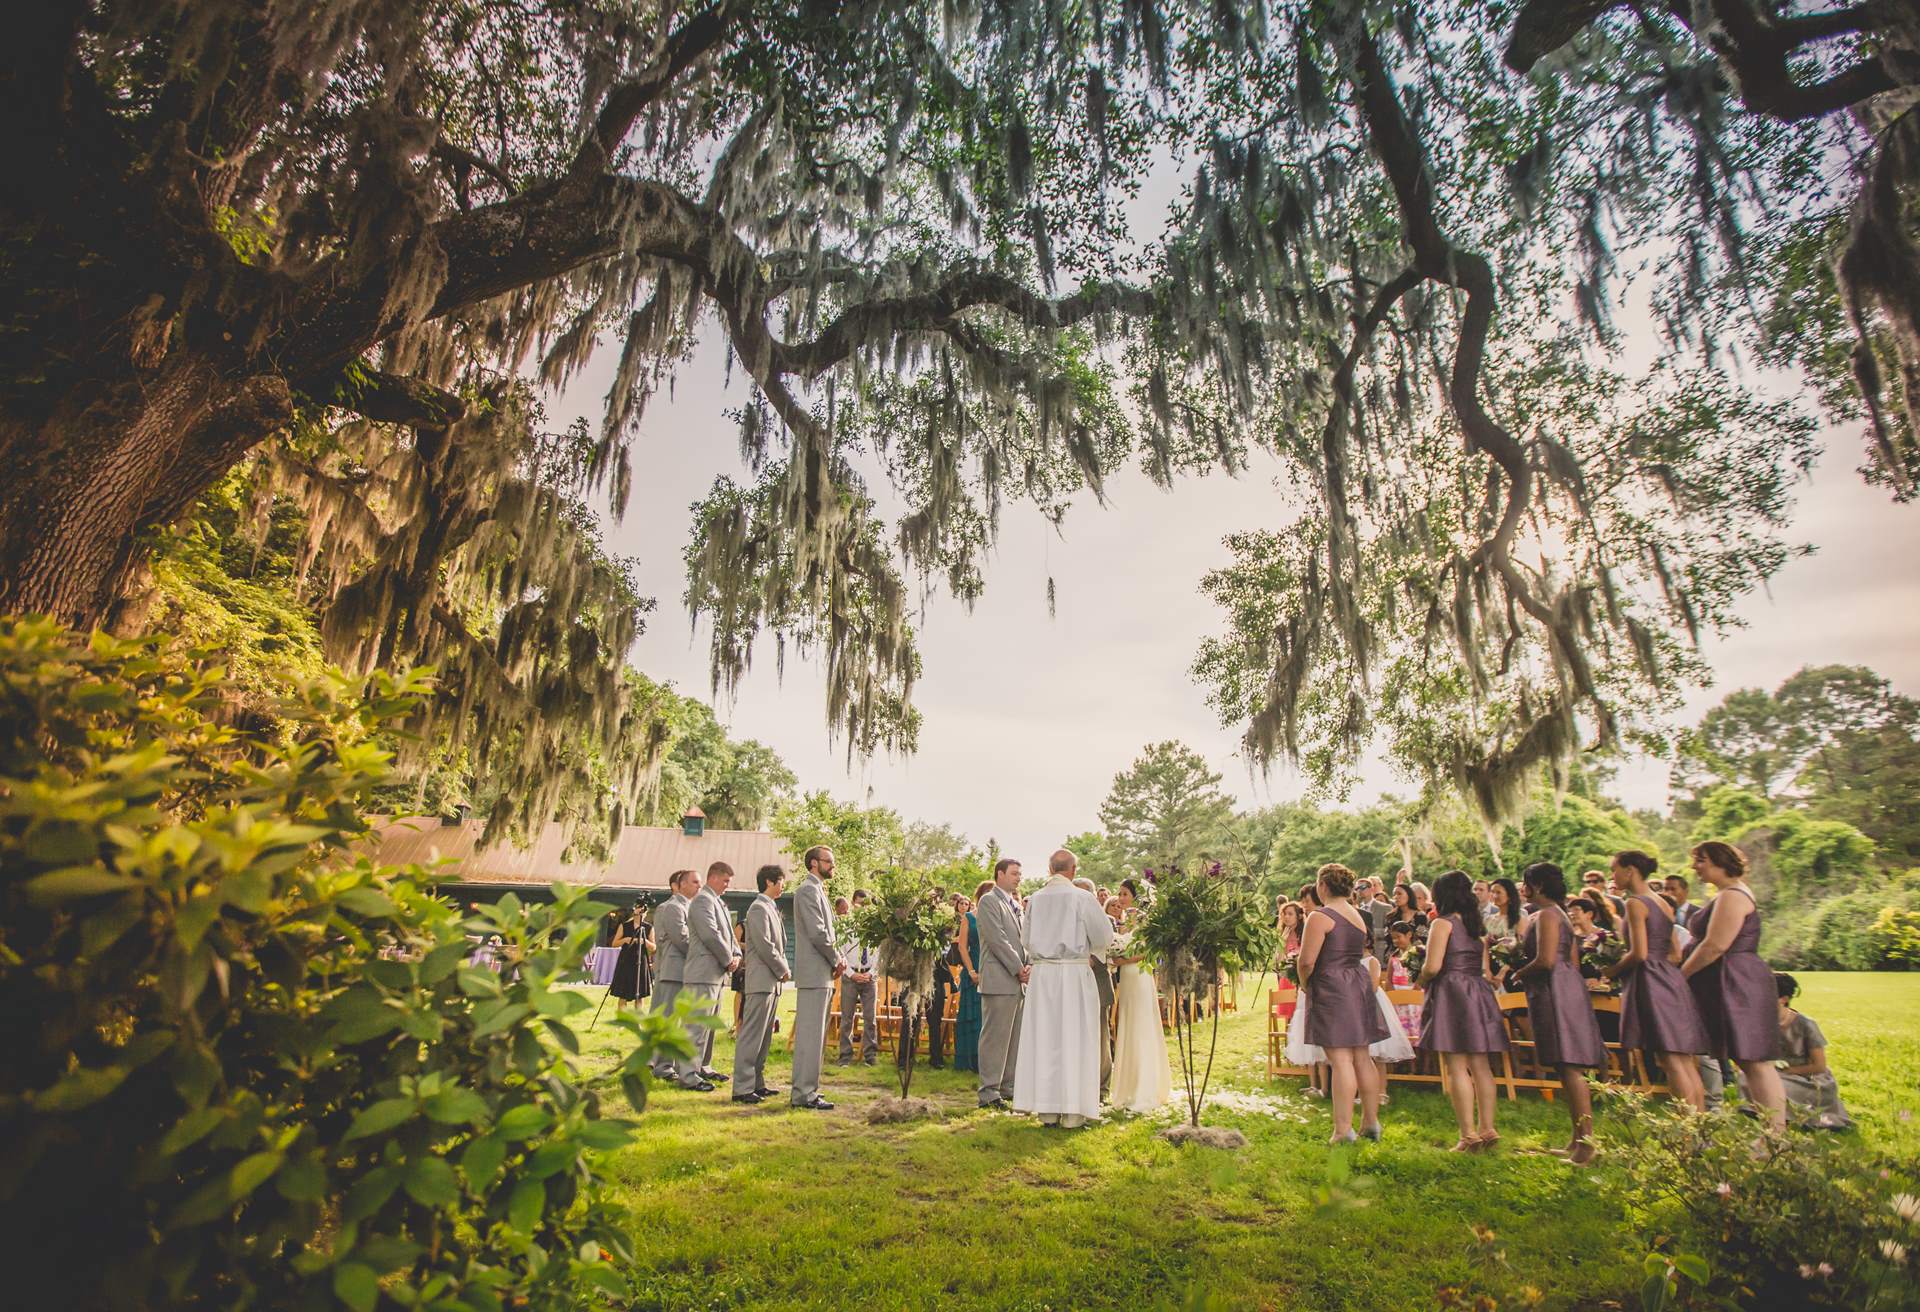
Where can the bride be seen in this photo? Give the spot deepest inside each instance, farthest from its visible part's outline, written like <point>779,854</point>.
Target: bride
<point>1142,1080</point>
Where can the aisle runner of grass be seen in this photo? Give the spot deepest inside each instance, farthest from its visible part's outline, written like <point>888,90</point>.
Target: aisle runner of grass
<point>764,1207</point>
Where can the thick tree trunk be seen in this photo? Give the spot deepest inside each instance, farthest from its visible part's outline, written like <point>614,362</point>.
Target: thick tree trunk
<point>81,485</point>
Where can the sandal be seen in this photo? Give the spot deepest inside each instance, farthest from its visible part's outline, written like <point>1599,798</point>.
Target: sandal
<point>1486,1143</point>
<point>1577,1158</point>
<point>1465,1146</point>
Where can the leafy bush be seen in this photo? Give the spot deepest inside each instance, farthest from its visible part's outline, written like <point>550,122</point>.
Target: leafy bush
<point>1842,932</point>
<point>1781,1220</point>
<point>1896,936</point>
<point>217,1089</point>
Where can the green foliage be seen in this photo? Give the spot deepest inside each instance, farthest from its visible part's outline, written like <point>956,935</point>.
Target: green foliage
<point>1789,1220</point>
<point>1810,854</point>
<point>737,783</point>
<point>1844,931</point>
<point>1896,937</point>
<point>864,839</point>
<point>909,910</point>
<point>1729,810</point>
<point>1098,858</point>
<point>1167,809</point>
<point>1576,835</point>
<point>246,1067</point>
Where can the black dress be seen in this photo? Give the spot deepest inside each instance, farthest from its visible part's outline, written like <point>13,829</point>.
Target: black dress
<point>631,978</point>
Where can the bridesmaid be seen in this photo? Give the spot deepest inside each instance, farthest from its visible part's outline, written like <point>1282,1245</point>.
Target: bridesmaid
<point>1657,1011</point>
<point>966,1025</point>
<point>1565,1033</point>
<point>1460,1016</point>
<point>1343,1017</point>
<point>1735,990</point>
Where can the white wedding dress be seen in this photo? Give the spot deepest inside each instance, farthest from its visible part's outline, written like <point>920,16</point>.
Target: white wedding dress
<point>1142,1079</point>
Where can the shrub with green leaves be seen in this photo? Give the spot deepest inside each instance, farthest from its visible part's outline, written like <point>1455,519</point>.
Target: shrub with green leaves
<point>1763,1219</point>
<point>244,1066</point>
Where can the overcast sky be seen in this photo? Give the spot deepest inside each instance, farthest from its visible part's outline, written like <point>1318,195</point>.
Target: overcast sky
<point>1027,718</point>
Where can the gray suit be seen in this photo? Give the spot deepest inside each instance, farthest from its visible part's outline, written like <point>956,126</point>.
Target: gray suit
<point>814,961</point>
<point>670,963</point>
<point>710,949</point>
<point>1103,981</point>
<point>864,996</point>
<point>1379,915</point>
<point>1003,955</point>
<point>766,967</point>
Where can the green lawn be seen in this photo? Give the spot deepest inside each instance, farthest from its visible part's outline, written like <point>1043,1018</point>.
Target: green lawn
<point>765,1207</point>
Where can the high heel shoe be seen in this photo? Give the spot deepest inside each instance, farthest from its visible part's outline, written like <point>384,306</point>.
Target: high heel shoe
<point>1370,1133</point>
<point>1486,1143</point>
<point>1584,1154</point>
<point>1465,1146</point>
<point>1336,1141</point>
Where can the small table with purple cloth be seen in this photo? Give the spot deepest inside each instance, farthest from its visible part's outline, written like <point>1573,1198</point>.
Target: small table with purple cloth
<point>600,964</point>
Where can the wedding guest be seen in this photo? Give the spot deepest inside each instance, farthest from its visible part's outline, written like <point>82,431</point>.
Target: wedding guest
<point>1683,910</point>
<point>944,986</point>
<point>1804,1074</point>
<point>1733,986</point>
<point>631,978</point>
<point>1344,1018</point>
<point>1422,900</point>
<point>1378,910</point>
<point>1565,1033</point>
<point>1482,898</point>
<point>739,980</point>
<point>966,1027</point>
<point>1461,1016</point>
<point>1405,907</point>
<point>1308,897</point>
<point>1397,1046</point>
<point>1405,937</point>
<point>1657,1011</point>
<point>1290,927</point>
<point>1299,1051</point>
<point>859,989</point>
<point>1508,910</point>
<point>816,964</point>
<point>1583,914</point>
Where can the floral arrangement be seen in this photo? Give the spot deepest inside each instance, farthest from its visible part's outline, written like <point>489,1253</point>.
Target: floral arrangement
<point>1601,954</point>
<point>1414,959</point>
<point>1505,953</point>
<point>1290,968</point>
<point>910,920</point>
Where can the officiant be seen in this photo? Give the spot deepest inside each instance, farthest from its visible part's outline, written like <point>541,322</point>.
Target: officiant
<point>1057,1075</point>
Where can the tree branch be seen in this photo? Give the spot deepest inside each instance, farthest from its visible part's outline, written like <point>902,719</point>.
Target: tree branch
<point>629,99</point>
<point>395,399</point>
<point>1543,26</point>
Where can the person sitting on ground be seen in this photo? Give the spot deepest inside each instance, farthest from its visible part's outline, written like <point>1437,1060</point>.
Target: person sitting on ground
<point>1804,1071</point>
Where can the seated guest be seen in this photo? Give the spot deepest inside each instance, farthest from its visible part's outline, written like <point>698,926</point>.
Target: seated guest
<point>1405,935</point>
<point>1803,1063</point>
<point>1404,905</point>
<point>1422,900</point>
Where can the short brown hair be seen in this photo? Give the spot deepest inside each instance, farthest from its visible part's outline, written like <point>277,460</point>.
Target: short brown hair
<point>1634,859</point>
<point>673,880</point>
<point>719,868</point>
<point>1724,855</point>
<point>1337,878</point>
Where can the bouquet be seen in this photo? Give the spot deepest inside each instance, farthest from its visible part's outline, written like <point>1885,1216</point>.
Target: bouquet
<point>1505,953</point>
<point>1290,968</point>
<point>1414,960</point>
<point>1122,945</point>
<point>1599,955</point>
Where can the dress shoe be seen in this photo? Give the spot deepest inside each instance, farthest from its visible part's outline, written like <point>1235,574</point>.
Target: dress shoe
<point>992,1102</point>
<point>751,1099</point>
<point>766,1091</point>
<point>714,1076</point>
<point>814,1105</point>
<point>873,1061</point>
<point>698,1086</point>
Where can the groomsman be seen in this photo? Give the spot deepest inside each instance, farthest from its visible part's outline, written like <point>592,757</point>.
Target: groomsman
<point>1677,889</point>
<point>1103,982</point>
<point>1003,974</point>
<point>1377,907</point>
<point>816,964</point>
<point>766,972</point>
<point>711,958</point>
<point>670,945</point>
<point>859,988</point>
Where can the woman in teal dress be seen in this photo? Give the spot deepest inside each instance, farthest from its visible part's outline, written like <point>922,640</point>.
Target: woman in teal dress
<point>966,1028</point>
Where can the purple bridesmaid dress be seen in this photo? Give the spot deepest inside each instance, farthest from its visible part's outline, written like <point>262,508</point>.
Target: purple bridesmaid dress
<point>1657,1010</point>
<point>1559,1007</point>
<point>1343,1012</point>
<point>1737,997</point>
<point>1460,1013</point>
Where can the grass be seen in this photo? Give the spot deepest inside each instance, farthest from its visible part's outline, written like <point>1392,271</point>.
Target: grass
<point>744,1207</point>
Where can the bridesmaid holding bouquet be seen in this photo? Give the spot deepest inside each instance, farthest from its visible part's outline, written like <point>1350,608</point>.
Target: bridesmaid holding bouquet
<point>1734,987</point>
<point>1657,1011</point>
<point>1565,1033</point>
<point>1461,1017</point>
<point>1342,1017</point>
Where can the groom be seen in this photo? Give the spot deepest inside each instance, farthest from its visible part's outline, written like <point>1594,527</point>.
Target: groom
<point>1058,1072</point>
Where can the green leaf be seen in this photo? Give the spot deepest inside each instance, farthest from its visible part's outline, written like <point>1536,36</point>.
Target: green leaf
<point>194,918</point>
<point>442,961</point>
<point>635,1087</point>
<point>431,1182</point>
<point>481,1161</point>
<point>523,1122</point>
<point>605,1278</point>
<point>361,1013</point>
<point>202,1205</point>
<point>302,1180</point>
<point>369,1193</point>
<point>605,1135</point>
<point>77,882</point>
<point>386,1253</point>
<point>501,1017</point>
<point>189,1130</point>
<point>1693,1267</point>
<point>252,1172</point>
<point>564,1036</point>
<point>457,1106</point>
<point>80,1088</point>
<point>551,1158</point>
<point>356,1285</point>
<point>478,983</point>
<point>380,1118</point>
<point>529,1200</point>
<point>248,890</point>
<point>365,901</point>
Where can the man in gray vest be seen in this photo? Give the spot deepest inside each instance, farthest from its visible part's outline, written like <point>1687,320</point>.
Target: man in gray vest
<point>670,945</point>
<point>860,988</point>
<point>1003,975</point>
<point>711,958</point>
<point>766,952</point>
<point>816,964</point>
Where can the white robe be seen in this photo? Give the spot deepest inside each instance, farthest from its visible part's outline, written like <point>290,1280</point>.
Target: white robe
<point>1058,1071</point>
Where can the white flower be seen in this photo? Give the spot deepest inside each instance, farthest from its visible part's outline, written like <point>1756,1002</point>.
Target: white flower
<point>1906,1207</point>
<point>1825,1268</point>
<point>1894,1253</point>
<point>1724,1189</point>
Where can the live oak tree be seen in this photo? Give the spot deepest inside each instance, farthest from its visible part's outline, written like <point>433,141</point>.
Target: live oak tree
<point>241,218</point>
